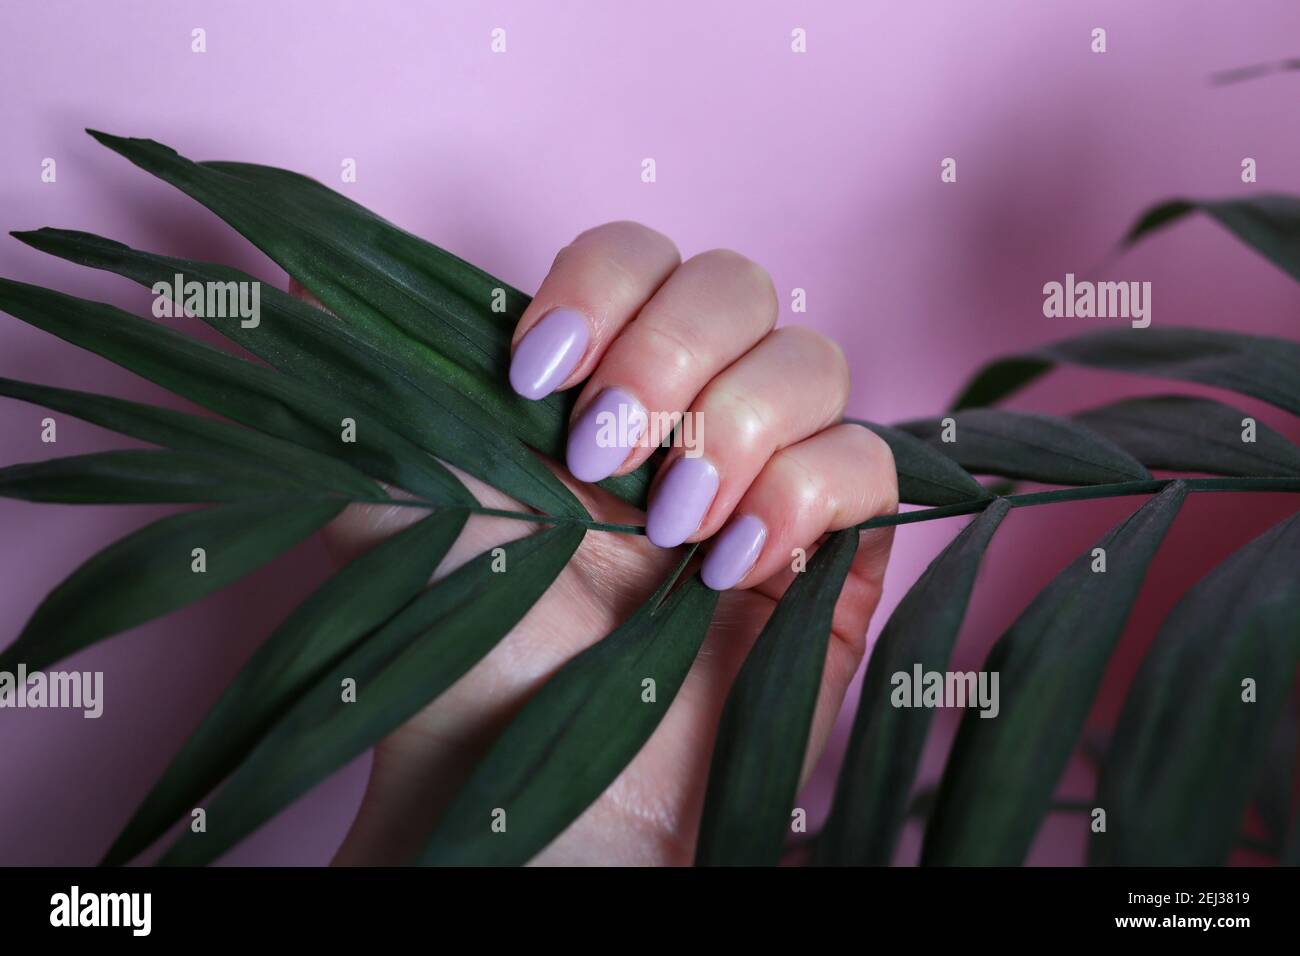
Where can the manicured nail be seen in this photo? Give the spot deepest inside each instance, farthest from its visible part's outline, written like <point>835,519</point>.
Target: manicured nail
<point>734,552</point>
<point>681,501</point>
<point>549,353</point>
<point>603,436</point>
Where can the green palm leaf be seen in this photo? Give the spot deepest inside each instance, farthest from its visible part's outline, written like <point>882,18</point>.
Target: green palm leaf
<point>326,626</point>
<point>571,740</point>
<point>357,264</point>
<point>416,353</point>
<point>1178,433</point>
<point>1261,366</point>
<point>146,477</point>
<point>1191,741</point>
<point>150,573</point>
<point>257,397</point>
<point>763,736</point>
<point>1024,445</point>
<point>1002,771</point>
<point>925,476</point>
<point>1277,780</point>
<point>408,662</point>
<point>190,433</point>
<point>414,391</point>
<point>375,274</point>
<point>1269,224</point>
<point>875,782</point>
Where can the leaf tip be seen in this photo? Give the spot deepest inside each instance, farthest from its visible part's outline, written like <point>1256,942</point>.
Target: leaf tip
<point>30,237</point>
<point>132,147</point>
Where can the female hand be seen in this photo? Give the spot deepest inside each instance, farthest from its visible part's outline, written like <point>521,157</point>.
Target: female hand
<point>648,338</point>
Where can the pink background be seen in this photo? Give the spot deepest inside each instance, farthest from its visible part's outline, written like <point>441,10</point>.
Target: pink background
<point>824,167</point>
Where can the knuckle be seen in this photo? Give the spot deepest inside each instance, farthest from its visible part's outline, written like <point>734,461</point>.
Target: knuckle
<point>671,352</point>
<point>613,280</point>
<point>563,256</point>
<point>823,358</point>
<point>613,266</point>
<point>746,422</point>
<point>875,451</point>
<point>801,486</point>
<point>589,277</point>
<point>747,276</point>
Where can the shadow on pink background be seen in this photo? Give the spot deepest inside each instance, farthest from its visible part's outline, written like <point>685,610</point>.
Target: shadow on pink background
<point>823,166</point>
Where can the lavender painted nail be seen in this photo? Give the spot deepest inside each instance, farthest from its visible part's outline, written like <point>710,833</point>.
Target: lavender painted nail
<point>600,441</point>
<point>734,552</point>
<point>549,352</point>
<point>680,501</point>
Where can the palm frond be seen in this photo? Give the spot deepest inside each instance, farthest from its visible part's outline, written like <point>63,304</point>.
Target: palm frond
<point>414,358</point>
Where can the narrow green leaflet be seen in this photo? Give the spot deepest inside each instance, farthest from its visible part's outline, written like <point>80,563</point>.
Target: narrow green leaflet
<point>436,298</point>
<point>346,608</point>
<point>1177,433</point>
<point>400,668</point>
<point>152,571</point>
<point>370,272</point>
<point>925,476</point>
<point>1030,446</point>
<point>1000,378</point>
<point>146,477</point>
<point>414,391</point>
<point>357,264</point>
<point>1277,781</point>
<point>258,397</point>
<point>191,433</point>
<point>1191,741</point>
<point>1258,365</point>
<point>875,783</point>
<point>576,735</point>
<point>1268,223</point>
<point>1003,769</point>
<point>763,735</point>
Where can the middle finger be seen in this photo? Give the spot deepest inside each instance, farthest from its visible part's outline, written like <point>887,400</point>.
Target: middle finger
<point>790,386</point>
<point>707,314</point>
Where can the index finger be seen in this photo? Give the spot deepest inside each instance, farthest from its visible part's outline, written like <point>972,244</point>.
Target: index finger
<point>596,285</point>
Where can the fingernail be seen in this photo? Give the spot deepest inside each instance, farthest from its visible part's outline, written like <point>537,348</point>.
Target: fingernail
<point>734,552</point>
<point>680,501</point>
<point>549,353</point>
<point>602,437</point>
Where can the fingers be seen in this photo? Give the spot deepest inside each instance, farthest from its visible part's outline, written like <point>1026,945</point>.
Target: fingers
<point>596,285</point>
<point>836,479</point>
<point>709,313</point>
<point>657,340</point>
<point>790,386</point>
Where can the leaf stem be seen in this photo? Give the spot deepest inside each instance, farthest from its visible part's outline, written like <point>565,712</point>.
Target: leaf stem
<point>1025,500</point>
<point>500,513</point>
<point>1083,493</point>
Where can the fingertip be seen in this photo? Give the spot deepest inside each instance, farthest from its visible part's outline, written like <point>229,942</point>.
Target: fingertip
<point>604,435</point>
<point>734,552</point>
<point>680,501</point>
<point>549,352</point>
